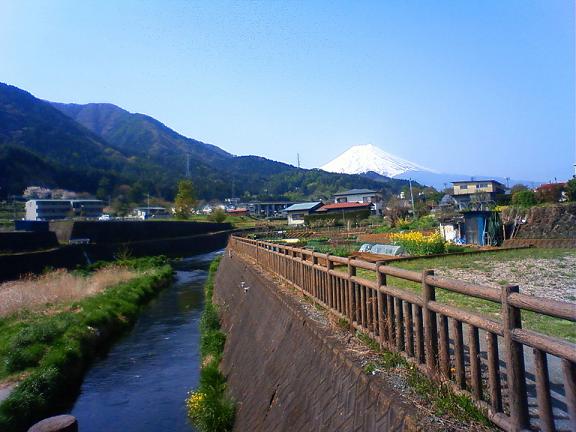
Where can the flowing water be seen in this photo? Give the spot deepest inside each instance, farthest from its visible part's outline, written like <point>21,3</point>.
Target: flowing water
<point>141,385</point>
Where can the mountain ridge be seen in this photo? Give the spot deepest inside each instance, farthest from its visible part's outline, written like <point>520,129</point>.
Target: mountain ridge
<point>109,150</point>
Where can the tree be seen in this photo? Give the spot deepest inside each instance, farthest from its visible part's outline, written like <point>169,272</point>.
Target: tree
<point>104,188</point>
<point>218,215</point>
<point>571,189</point>
<point>518,188</point>
<point>524,198</point>
<point>185,199</point>
<point>549,193</point>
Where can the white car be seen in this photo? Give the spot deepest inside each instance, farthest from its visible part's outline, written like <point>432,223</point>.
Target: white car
<point>105,217</point>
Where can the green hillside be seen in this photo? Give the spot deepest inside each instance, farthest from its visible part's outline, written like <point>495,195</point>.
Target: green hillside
<point>103,149</point>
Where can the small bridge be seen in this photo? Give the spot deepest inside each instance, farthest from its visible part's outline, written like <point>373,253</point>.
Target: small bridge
<point>522,379</point>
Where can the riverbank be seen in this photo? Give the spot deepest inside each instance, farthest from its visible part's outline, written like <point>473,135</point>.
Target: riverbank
<point>48,352</point>
<point>209,406</point>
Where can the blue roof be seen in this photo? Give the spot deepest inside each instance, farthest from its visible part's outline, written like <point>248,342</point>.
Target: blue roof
<point>303,206</point>
<point>355,192</point>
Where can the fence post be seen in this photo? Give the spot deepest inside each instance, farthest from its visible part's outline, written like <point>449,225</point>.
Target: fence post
<point>430,326</point>
<point>351,302</point>
<point>515,373</point>
<point>314,278</point>
<point>380,280</point>
<point>329,266</point>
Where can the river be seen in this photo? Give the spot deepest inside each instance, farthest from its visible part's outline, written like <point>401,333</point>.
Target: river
<point>141,384</point>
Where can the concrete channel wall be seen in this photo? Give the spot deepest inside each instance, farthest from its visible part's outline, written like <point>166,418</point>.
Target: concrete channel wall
<point>286,372</point>
<point>70,256</point>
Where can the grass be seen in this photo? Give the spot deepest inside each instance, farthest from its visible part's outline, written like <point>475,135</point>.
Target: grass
<point>51,349</point>
<point>541,323</point>
<point>209,408</point>
<point>236,221</point>
<point>59,286</point>
<point>440,396</point>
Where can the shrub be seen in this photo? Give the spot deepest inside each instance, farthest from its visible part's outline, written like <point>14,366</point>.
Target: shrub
<point>217,216</point>
<point>417,243</point>
<point>524,198</point>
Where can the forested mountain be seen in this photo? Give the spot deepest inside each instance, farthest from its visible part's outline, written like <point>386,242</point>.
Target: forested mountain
<point>142,135</point>
<point>103,149</point>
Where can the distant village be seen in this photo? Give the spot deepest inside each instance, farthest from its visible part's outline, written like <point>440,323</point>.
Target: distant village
<point>466,213</point>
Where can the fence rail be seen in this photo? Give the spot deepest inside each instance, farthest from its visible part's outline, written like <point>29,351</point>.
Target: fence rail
<point>504,368</point>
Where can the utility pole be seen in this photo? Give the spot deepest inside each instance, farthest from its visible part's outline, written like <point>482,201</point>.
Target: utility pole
<point>412,198</point>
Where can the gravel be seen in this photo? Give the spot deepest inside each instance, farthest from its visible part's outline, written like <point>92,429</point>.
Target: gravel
<point>553,278</point>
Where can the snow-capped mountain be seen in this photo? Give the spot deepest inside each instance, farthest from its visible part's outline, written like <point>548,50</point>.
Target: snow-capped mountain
<point>361,159</point>
<point>374,162</point>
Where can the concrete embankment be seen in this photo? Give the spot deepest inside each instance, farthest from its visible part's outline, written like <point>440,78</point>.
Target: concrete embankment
<point>71,256</point>
<point>287,371</point>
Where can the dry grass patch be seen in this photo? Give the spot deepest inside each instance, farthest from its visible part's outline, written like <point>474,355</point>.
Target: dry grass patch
<point>58,286</point>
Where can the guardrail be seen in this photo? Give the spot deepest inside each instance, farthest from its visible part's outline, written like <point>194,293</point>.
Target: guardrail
<point>491,370</point>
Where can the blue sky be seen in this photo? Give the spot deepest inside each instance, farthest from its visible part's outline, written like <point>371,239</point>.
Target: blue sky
<point>476,86</point>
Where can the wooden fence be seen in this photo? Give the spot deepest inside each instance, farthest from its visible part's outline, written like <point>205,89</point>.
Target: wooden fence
<point>487,361</point>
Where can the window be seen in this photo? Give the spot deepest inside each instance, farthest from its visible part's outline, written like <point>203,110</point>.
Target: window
<point>341,200</point>
<point>297,216</point>
<point>463,186</point>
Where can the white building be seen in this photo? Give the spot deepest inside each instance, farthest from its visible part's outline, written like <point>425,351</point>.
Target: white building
<point>296,212</point>
<point>50,209</point>
<point>361,196</point>
<point>47,209</point>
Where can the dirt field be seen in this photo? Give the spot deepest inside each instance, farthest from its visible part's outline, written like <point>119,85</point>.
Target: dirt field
<point>549,273</point>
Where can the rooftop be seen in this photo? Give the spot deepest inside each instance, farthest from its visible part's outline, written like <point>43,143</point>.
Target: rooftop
<point>339,206</point>
<point>304,206</point>
<point>477,181</point>
<point>355,192</point>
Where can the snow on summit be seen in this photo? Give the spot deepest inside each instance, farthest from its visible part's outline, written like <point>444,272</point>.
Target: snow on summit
<point>363,158</point>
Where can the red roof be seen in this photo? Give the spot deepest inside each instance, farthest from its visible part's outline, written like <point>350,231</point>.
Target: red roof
<point>340,206</point>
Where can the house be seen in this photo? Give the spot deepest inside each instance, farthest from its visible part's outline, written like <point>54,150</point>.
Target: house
<point>296,212</point>
<point>361,196</point>
<point>51,209</point>
<point>344,207</point>
<point>477,194</point>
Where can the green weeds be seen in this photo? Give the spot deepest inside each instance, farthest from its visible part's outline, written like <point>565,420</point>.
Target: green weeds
<point>54,350</point>
<point>209,408</point>
<point>440,396</point>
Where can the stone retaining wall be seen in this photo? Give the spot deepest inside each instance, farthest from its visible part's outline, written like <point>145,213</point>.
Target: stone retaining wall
<point>545,222</point>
